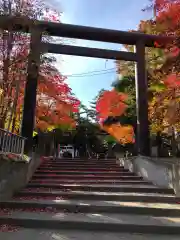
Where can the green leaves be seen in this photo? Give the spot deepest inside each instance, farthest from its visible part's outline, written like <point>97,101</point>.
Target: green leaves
<point>157,87</point>
<point>110,139</point>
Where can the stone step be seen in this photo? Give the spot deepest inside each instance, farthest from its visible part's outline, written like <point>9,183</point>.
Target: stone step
<point>93,182</point>
<point>94,169</point>
<point>39,171</point>
<point>153,196</point>
<point>126,223</point>
<point>82,165</point>
<point>100,188</point>
<point>45,234</point>
<point>79,206</point>
<point>87,184</point>
<point>81,160</point>
<point>94,163</point>
<point>78,159</point>
<point>66,177</point>
<point>79,170</point>
<point>88,161</point>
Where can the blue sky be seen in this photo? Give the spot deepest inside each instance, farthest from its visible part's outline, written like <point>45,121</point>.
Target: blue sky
<point>114,14</point>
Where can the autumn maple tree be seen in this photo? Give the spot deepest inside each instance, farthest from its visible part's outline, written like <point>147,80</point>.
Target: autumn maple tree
<point>164,107</point>
<point>55,101</point>
<point>162,65</point>
<point>112,104</point>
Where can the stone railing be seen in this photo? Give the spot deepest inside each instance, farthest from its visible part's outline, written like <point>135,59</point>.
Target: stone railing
<point>163,172</point>
<point>15,175</point>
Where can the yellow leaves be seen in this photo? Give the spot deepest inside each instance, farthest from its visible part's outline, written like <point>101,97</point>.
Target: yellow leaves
<point>164,110</point>
<point>34,133</point>
<point>177,126</point>
<point>166,102</point>
<point>51,128</point>
<point>155,128</point>
<point>1,91</point>
<point>157,87</point>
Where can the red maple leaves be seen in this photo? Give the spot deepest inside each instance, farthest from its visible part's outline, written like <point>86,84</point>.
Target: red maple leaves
<point>172,81</point>
<point>111,103</point>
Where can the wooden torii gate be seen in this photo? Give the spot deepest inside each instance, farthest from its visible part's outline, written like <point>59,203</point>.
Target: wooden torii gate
<point>37,47</point>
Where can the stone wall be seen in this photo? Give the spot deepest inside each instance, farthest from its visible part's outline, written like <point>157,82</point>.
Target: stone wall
<point>15,175</point>
<point>161,172</point>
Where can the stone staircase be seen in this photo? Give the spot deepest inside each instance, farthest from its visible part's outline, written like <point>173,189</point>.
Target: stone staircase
<point>74,199</point>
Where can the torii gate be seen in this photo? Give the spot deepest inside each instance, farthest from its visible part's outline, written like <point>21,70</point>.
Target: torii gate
<point>37,28</point>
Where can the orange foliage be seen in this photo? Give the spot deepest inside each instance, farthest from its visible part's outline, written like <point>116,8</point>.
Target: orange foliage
<point>123,134</point>
<point>112,103</point>
<point>55,102</point>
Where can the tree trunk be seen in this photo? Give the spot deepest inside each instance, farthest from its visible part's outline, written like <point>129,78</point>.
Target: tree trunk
<point>159,144</point>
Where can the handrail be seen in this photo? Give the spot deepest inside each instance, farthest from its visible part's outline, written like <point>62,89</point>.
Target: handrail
<point>11,143</point>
